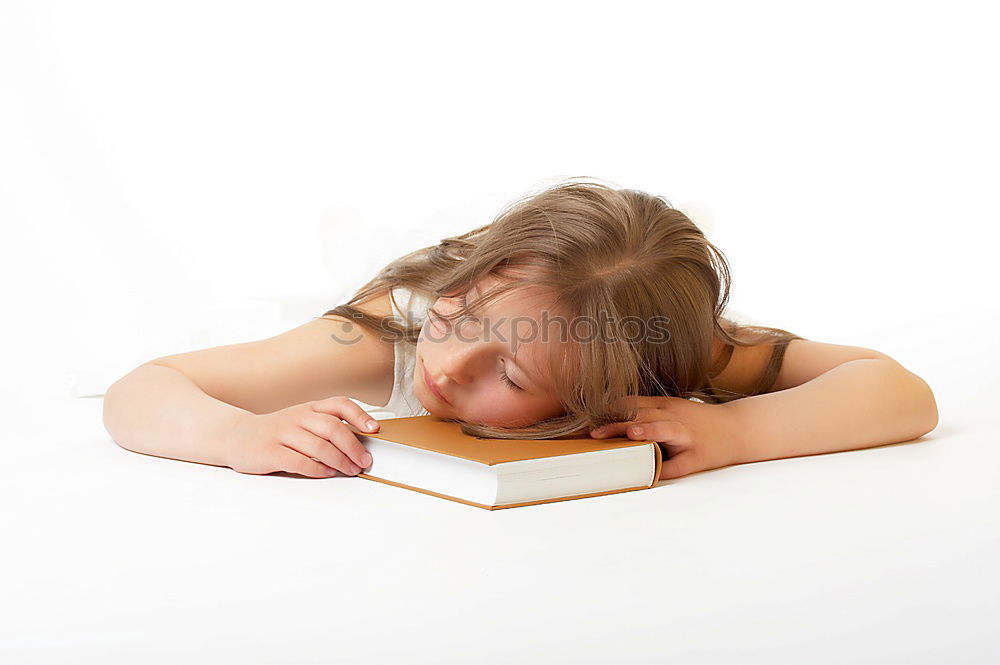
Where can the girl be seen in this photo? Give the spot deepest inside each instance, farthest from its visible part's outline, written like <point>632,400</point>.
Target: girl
<point>584,309</point>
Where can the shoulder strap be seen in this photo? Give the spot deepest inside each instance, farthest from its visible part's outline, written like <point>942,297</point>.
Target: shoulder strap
<point>770,374</point>
<point>722,362</point>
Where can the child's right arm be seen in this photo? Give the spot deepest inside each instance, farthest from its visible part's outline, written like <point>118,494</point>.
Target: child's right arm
<point>158,410</point>
<point>271,405</point>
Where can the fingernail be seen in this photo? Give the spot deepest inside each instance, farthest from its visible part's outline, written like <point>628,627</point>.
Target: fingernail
<point>636,431</point>
<point>371,425</point>
<point>366,459</point>
<point>598,432</point>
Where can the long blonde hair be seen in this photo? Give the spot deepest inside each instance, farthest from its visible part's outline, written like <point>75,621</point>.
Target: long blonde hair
<point>604,252</point>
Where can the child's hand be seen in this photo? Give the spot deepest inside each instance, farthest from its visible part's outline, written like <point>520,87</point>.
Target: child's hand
<point>308,439</point>
<point>698,436</point>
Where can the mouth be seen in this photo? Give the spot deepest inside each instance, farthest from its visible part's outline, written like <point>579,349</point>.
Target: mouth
<point>434,389</point>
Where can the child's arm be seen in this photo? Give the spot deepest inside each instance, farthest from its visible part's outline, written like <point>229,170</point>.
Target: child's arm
<point>192,406</point>
<point>830,398</point>
<point>159,411</point>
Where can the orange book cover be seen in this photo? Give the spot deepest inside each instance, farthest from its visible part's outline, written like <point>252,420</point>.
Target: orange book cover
<point>437,435</point>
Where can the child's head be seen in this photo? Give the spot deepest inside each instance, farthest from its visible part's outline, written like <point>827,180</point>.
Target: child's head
<point>580,295</point>
<point>491,365</point>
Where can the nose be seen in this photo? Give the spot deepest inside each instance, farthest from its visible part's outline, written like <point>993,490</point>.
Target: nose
<point>463,361</point>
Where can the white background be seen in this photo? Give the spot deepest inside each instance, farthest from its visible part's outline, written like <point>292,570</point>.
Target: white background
<point>175,175</point>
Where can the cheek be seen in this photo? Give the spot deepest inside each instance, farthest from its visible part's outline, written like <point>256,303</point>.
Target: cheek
<point>430,333</point>
<point>425,336</point>
<point>502,410</point>
<point>495,402</point>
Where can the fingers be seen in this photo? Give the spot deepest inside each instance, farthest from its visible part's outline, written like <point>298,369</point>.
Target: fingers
<point>681,464</point>
<point>337,435</point>
<point>318,448</point>
<point>643,415</point>
<point>294,462</point>
<point>675,435</point>
<point>664,431</point>
<point>344,408</point>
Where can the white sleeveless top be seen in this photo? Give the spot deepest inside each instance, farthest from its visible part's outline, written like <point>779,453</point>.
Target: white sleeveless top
<point>403,401</point>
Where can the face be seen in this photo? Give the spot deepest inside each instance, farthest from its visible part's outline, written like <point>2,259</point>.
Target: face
<point>484,372</point>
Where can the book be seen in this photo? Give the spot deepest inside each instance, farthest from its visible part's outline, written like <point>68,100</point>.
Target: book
<point>430,455</point>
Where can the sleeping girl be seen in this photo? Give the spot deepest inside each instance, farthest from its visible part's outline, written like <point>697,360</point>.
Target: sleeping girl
<point>582,310</point>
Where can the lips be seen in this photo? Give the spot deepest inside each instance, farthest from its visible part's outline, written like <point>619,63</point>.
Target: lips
<point>434,389</point>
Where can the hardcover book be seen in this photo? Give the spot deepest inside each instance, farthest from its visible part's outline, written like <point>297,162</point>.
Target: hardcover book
<point>430,455</point>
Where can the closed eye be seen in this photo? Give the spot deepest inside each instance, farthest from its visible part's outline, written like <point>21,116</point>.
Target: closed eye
<point>506,379</point>
<point>464,301</point>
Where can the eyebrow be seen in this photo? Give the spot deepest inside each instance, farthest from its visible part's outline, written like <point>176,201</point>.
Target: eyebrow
<point>520,368</point>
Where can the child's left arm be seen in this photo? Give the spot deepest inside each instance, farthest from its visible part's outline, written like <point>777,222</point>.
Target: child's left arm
<point>828,398</point>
